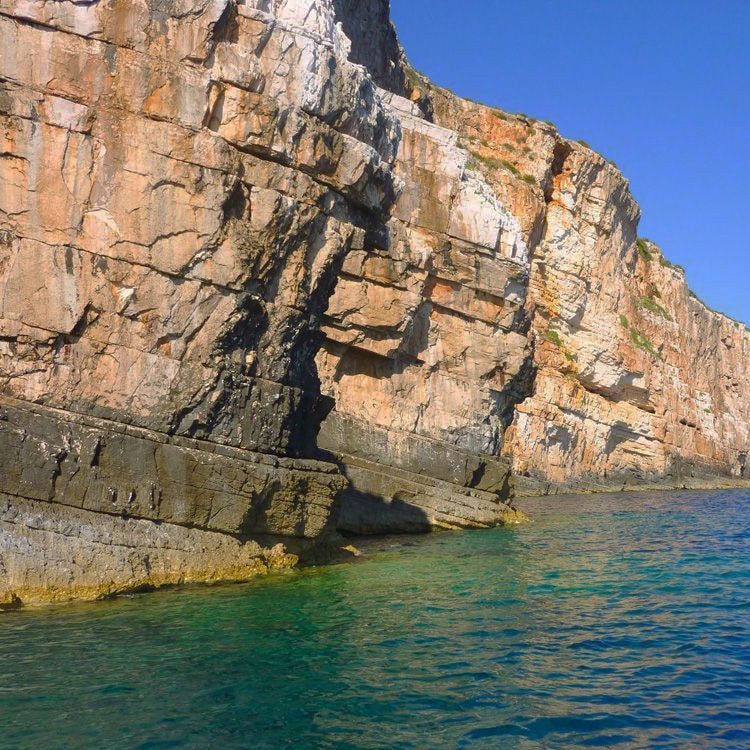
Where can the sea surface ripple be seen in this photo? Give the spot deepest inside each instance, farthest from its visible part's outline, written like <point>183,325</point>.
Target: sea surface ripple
<point>618,621</point>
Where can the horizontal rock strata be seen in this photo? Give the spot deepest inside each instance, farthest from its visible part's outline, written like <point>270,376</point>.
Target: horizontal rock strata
<point>261,282</point>
<point>180,183</point>
<point>635,381</point>
<point>56,553</point>
<point>106,467</point>
<point>524,319</point>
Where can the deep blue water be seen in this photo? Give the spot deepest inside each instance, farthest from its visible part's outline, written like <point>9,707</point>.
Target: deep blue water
<point>611,621</point>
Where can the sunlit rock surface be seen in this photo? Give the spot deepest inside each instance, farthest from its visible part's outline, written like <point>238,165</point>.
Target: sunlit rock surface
<point>546,331</point>
<point>260,282</point>
<point>179,183</point>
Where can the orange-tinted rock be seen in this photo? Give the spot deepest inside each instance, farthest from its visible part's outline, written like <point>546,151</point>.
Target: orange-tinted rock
<point>179,183</point>
<point>224,224</point>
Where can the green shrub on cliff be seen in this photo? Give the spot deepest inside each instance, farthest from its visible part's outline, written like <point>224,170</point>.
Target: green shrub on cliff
<point>554,337</point>
<point>668,264</point>
<point>643,250</point>
<point>648,303</point>
<point>643,343</point>
<point>511,167</point>
<point>416,80</point>
<point>492,163</point>
<point>488,161</point>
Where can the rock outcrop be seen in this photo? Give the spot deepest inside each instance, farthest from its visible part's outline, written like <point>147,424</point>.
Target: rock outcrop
<point>634,381</point>
<point>261,283</point>
<point>179,184</point>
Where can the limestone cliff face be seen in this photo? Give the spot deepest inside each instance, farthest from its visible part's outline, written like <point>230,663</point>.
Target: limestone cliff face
<point>516,313</point>
<point>179,183</point>
<point>260,281</point>
<point>634,381</point>
<point>427,347</point>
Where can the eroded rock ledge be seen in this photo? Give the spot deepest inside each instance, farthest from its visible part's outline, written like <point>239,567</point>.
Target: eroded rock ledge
<point>262,283</point>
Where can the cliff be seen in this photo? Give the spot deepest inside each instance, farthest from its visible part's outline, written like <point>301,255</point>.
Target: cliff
<point>261,283</point>
<point>634,381</point>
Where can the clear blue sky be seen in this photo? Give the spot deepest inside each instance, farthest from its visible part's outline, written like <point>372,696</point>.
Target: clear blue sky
<point>661,87</point>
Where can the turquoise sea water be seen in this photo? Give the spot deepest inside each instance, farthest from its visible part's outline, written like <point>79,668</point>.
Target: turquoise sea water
<point>618,621</point>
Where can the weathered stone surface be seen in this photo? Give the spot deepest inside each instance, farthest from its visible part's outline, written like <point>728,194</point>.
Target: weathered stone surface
<point>224,224</point>
<point>512,314</point>
<point>50,552</point>
<point>426,343</point>
<point>629,380</point>
<point>383,499</point>
<point>106,467</point>
<point>111,330</point>
<point>179,183</point>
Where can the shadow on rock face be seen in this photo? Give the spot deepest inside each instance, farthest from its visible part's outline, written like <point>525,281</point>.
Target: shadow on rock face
<point>363,513</point>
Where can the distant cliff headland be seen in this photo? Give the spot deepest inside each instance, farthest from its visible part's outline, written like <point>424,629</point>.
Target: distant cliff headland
<point>262,284</point>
